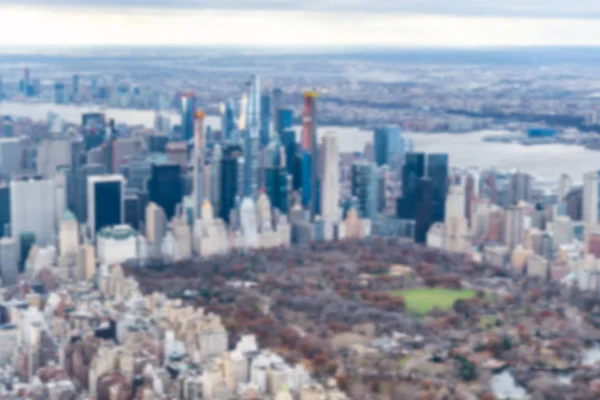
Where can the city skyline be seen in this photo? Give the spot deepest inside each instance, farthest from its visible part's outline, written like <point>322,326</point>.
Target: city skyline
<point>294,24</point>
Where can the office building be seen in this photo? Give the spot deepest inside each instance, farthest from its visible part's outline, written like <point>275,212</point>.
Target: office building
<point>60,93</point>
<point>32,209</point>
<point>80,199</point>
<point>437,171</point>
<point>591,199</point>
<point>198,157</point>
<point>565,184</point>
<point>134,209</point>
<point>412,171</point>
<point>156,228</point>
<point>52,154</point>
<point>117,244</point>
<point>424,208</point>
<point>285,120</point>
<point>230,179</point>
<point>265,120</point>
<point>388,146</point>
<point>5,210</point>
<point>520,188</point>
<point>365,180</point>
<point>215,179</point>
<point>574,202</point>
<point>9,260</point>
<point>310,147</point>
<point>10,156</point>
<point>288,140</point>
<point>188,112</point>
<point>330,193</point>
<point>106,202</point>
<point>93,129</point>
<point>165,187</point>
<point>514,230</point>
<point>228,123</point>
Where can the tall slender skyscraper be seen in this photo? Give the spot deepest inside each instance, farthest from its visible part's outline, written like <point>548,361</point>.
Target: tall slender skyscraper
<point>412,171</point>
<point>251,149</point>
<point>388,146</point>
<point>365,180</point>
<point>310,147</point>
<point>265,119</point>
<point>199,143</point>
<point>330,194</point>
<point>215,179</point>
<point>437,171</point>
<point>188,111</point>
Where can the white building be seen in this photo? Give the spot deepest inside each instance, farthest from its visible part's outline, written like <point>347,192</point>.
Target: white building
<point>51,154</point>
<point>156,227</point>
<point>456,224</point>
<point>32,209</point>
<point>68,235</point>
<point>330,184</point>
<point>182,238</point>
<point>106,201</point>
<point>116,244</point>
<point>210,234</point>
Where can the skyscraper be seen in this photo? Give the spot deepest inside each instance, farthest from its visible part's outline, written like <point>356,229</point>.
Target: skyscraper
<point>591,198</point>
<point>228,124</point>
<point>437,171</point>
<point>251,148</point>
<point>424,209</point>
<point>32,209</point>
<point>165,187</point>
<point>310,147</point>
<point>229,179</point>
<point>388,146</point>
<point>106,201</point>
<point>412,171</point>
<point>156,228</point>
<point>265,119</point>
<point>94,129</point>
<point>199,144</point>
<point>215,178</point>
<point>188,111</point>
<point>364,187</point>
<point>285,120</point>
<point>276,104</point>
<point>288,140</point>
<point>60,95</point>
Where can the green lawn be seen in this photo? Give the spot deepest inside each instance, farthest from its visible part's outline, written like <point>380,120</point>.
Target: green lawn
<point>422,301</point>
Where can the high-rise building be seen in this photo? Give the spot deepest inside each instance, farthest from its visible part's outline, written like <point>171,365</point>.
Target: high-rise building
<point>412,171</point>
<point>230,179</point>
<point>52,154</point>
<point>285,120</point>
<point>514,230</point>
<point>276,104</point>
<point>364,188</point>
<point>9,260</point>
<point>265,119</point>
<point>32,209</point>
<point>251,139</point>
<point>330,194</point>
<point>106,201</point>
<point>188,112</point>
<point>80,206</point>
<point>424,209</point>
<point>565,183</point>
<point>574,202</point>
<point>199,145</point>
<point>68,235</point>
<point>93,127</point>
<point>165,187</point>
<point>75,85</point>
<point>10,156</point>
<point>26,242</point>
<point>156,228</point>
<point>388,146</point>
<point>4,209</point>
<point>215,178</point>
<point>288,140</point>
<point>228,123</point>
<point>591,198</point>
<point>60,93</point>
<point>520,188</point>
<point>437,171</point>
<point>310,147</point>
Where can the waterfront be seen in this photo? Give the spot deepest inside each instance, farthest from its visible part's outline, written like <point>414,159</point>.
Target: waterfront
<point>545,162</point>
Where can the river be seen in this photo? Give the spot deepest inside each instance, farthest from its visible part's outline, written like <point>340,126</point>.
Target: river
<point>545,162</point>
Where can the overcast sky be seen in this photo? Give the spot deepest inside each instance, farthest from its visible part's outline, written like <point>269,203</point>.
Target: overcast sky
<point>405,23</point>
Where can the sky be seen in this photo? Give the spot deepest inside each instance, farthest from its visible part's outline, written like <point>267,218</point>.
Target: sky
<point>301,23</point>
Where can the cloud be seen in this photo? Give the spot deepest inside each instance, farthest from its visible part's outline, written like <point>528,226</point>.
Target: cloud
<point>500,8</point>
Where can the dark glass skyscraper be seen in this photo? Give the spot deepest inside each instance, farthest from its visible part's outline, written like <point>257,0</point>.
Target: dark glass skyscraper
<point>265,119</point>
<point>412,171</point>
<point>230,177</point>
<point>165,187</point>
<point>285,120</point>
<point>365,180</point>
<point>276,187</point>
<point>388,146</point>
<point>288,140</point>
<point>437,171</point>
<point>107,204</point>
<point>424,209</point>
<point>4,207</point>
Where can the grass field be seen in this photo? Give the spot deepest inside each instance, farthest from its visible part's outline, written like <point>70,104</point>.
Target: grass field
<point>422,301</point>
